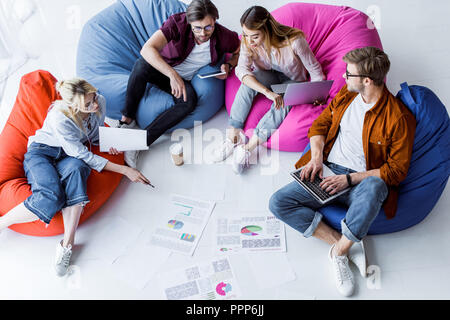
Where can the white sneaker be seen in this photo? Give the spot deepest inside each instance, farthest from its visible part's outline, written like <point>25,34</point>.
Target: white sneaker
<point>357,255</point>
<point>224,150</point>
<point>343,274</point>
<point>113,123</point>
<point>62,259</point>
<point>240,159</point>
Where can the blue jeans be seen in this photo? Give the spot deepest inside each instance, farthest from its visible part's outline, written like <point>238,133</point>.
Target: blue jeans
<point>243,103</point>
<point>297,208</point>
<point>57,180</point>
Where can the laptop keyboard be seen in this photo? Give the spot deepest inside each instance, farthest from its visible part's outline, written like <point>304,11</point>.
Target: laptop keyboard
<point>314,186</point>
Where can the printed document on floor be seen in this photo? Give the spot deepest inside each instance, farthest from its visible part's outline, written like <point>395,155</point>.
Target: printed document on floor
<point>208,280</point>
<point>182,224</point>
<point>122,139</point>
<point>249,234</point>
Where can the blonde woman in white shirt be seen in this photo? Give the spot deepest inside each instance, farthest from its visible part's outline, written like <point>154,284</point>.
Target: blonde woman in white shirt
<point>57,164</point>
<point>271,53</point>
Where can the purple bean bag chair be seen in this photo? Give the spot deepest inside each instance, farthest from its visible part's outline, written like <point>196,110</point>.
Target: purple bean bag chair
<point>331,32</point>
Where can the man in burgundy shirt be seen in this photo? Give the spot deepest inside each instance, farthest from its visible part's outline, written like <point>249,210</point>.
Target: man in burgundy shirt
<point>170,58</point>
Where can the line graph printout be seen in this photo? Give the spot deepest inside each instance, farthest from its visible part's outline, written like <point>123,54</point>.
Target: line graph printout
<point>249,233</point>
<point>182,224</point>
<point>207,280</point>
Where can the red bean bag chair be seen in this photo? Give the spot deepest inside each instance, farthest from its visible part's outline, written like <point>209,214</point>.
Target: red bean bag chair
<point>36,93</point>
<point>331,32</point>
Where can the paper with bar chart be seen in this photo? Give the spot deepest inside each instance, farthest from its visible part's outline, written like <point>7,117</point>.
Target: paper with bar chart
<point>207,280</point>
<point>182,224</point>
<point>249,233</point>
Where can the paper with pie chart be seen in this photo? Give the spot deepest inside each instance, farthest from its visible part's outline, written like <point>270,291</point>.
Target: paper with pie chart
<point>249,233</point>
<point>182,224</point>
<point>208,280</point>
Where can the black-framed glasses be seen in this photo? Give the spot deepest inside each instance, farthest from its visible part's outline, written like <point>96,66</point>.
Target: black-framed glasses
<point>349,75</point>
<point>207,29</point>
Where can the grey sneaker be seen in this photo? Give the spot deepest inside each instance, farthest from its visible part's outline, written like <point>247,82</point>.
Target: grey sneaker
<point>131,158</point>
<point>62,259</point>
<point>343,274</point>
<point>131,125</point>
<point>113,123</point>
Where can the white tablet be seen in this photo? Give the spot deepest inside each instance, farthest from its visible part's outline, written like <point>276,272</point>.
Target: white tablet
<point>211,74</point>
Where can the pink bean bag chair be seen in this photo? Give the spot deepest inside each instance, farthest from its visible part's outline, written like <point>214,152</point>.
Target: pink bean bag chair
<point>331,32</point>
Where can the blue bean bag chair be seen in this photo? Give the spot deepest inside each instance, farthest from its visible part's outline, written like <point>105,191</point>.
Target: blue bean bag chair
<point>109,45</point>
<point>429,169</point>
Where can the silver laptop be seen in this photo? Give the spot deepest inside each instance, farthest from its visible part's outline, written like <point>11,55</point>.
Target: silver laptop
<point>313,187</point>
<point>303,92</point>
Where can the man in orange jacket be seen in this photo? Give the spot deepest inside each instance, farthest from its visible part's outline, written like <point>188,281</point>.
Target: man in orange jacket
<point>365,136</point>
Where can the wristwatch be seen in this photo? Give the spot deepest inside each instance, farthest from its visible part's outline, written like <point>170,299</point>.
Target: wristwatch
<point>230,65</point>
<point>349,180</point>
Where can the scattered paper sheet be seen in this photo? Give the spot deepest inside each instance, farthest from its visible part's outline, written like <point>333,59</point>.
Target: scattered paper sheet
<point>209,280</point>
<point>122,139</point>
<point>140,265</point>
<point>249,234</point>
<point>183,224</point>
<point>103,246</point>
<point>271,269</point>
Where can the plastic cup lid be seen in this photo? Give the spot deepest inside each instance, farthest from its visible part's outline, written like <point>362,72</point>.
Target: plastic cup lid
<point>176,148</point>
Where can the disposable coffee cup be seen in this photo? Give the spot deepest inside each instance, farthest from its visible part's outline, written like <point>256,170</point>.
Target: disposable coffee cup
<point>176,150</point>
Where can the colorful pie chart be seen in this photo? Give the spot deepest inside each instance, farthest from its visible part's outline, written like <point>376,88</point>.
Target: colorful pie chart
<point>250,230</point>
<point>223,288</point>
<point>174,224</point>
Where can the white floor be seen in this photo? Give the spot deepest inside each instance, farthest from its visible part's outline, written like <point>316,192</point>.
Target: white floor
<point>412,264</point>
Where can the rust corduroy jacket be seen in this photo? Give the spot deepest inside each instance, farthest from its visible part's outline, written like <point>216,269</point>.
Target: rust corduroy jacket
<point>388,137</point>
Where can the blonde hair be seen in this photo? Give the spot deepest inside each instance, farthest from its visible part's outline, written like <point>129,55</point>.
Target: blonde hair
<point>275,34</point>
<point>72,92</point>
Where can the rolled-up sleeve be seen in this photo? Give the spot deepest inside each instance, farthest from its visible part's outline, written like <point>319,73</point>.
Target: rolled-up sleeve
<point>66,133</point>
<point>395,169</point>
<point>170,29</point>
<point>245,63</point>
<point>302,49</point>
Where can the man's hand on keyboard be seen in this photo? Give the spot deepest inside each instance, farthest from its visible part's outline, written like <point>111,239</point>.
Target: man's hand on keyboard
<point>334,184</point>
<point>312,168</point>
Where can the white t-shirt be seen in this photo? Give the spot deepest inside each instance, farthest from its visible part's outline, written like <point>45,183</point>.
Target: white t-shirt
<point>200,56</point>
<point>348,149</point>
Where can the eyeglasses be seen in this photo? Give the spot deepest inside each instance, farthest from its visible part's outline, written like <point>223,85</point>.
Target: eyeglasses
<point>90,105</point>
<point>348,75</point>
<point>207,29</point>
